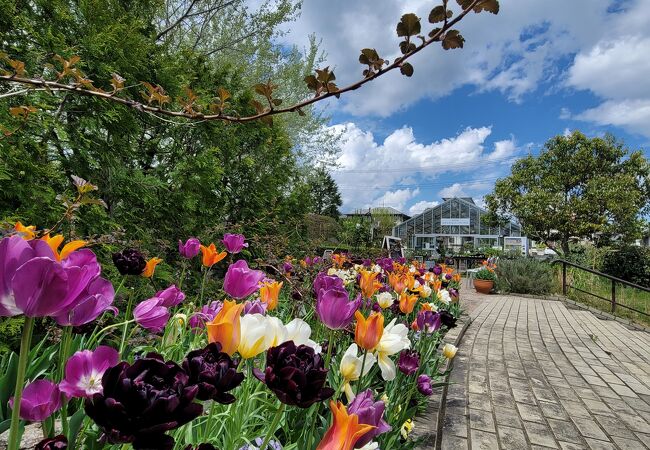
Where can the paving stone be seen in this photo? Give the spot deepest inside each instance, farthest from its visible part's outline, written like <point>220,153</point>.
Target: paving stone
<point>484,441</point>
<point>628,444</point>
<point>613,426</point>
<point>453,443</point>
<point>454,425</point>
<point>508,417</point>
<point>481,420</point>
<point>512,437</point>
<point>575,409</point>
<point>589,428</point>
<point>634,422</point>
<point>539,434</point>
<point>598,407</point>
<point>595,444</point>
<point>564,430</point>
<point>623,390</point>
<point>522,396</point>
<point>553,410</point>
<point>480,401</point>
<point>571,446</point>
<point>530,413</point>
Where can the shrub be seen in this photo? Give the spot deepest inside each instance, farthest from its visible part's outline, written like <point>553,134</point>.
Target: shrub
<point>629,263</point>
<point>485,274</point>
<point>524,276</point>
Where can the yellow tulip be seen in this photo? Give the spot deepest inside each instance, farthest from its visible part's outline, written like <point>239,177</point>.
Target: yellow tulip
<point>226,327</point>
<point>269,293</point>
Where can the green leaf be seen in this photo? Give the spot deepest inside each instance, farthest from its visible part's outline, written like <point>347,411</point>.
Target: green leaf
<point>75,425</point>
<point>406,69</point>
<point>439,13</point>
<point>453,39</point>
<point>8,384</point>
<point>409,25</point>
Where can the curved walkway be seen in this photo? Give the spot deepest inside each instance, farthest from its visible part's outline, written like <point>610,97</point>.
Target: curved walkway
<point>534,374</point>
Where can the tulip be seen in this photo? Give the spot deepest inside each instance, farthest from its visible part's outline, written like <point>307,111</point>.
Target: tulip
<point>214,372</point>
<point>129,262</point>
<point>40,400</point>
<point>269,293</point>
<point>171,296</point>
<point>368,331</point>
<point>151,315</point>
<point>406,428</point>
<point>96,299</point>
<point>150,267</point>
<point>350,368</point>
<point>426,291</point>
<point>205,315</point>
<point>240,281</point>
<point>407,302</point>
<point>428,321</point>
<point>385,300</point>
<point>437,270</point>
<point>210,255</point>
<point>255,307</point>
<point>140,402</point>
<point>443,296</point>
<point>345,430</point>
<point>25,232</point>
<point>409,362</point>
<point>234,243</point>
<point>226,327</point>
<point>424,385</point>
<point>397,282</point>
<point>449,351</point>
<point>447,319</point>
<point>287,267</point>
<point>55,242</point>
<point>335,309</point>
<point>84,371</point>
<point>190,248</point>
<point>369,412</point>
<point>257,335</point>
<point>393,340</point>
<point>295,374</point>
<point>299,332</point>
<point>59,442</point>
<point>368,283</point>
<point>323,281</point>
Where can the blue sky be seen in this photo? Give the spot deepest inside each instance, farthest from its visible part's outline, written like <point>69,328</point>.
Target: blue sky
<point>538,69</point>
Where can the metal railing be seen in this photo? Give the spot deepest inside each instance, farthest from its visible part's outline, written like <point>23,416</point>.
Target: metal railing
<point>614,282</point>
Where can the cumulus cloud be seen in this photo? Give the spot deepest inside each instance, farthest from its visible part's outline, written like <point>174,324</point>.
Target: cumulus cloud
<point>372,173</point>
<point>422,206</point>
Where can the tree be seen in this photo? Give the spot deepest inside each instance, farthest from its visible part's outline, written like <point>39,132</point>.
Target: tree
<point>576,187</point>
<point>324,192</point>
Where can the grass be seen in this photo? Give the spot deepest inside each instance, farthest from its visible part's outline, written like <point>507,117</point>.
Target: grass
<point>626,296</point>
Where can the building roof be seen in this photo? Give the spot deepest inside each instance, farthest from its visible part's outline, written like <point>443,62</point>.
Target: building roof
<point>378,210</point>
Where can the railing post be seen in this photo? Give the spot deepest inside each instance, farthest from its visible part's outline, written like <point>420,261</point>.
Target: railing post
<point>563,278</point>
<point>613,296</point>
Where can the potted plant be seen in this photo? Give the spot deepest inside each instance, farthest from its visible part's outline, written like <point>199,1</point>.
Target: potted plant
<point>484,280</point>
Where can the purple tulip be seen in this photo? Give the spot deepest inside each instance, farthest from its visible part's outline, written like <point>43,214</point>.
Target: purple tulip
<point>207,314</point>
<point>428,321</point>
<point>335,309</point>
<point>234,243</point>
<point>453,292</point>
<point>84,371</point>
<point>287,267</point>
<point>324,281</point>
<point>91,303</point>
<point>370,412</point>
<point>190,248</point>
<point>150,314</point>
<point>255,307</point>
<point>240,281</point>
<point>424,385</point>
<point>437,270</point>
<point>171,296</point>
<point>409,362</point>
<point>40,400</point>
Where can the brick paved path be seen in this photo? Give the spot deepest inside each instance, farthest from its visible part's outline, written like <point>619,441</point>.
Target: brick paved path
<point>533,374</point>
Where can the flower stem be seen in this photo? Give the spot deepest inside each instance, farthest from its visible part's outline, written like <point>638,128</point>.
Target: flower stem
<point>363,363</point>
<point>274,425</point>
<point>126,323</point>
<point>180,281</point>
<point>119,287</point>
<point>25,342</point>
<point>205,276</point>
<point>330,344</point>
<point>66,339</point>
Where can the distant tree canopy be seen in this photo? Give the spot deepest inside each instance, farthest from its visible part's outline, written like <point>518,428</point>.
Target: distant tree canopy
<point>324,193</point>
<point>576,187</point>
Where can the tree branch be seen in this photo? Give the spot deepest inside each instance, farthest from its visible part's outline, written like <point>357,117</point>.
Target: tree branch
<point>111,96</point>
<point>177,22</point>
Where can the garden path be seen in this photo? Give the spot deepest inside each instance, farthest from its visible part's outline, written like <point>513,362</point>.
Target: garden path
<point>535,374</point>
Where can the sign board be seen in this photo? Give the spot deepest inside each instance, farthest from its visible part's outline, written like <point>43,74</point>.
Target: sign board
<point>462,222</point>
<point>394,247</point>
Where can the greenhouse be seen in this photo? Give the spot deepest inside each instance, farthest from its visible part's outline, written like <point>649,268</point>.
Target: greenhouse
<point>455,225</point>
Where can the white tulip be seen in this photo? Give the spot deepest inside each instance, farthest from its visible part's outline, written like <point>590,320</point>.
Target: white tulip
<point>350,368</point>
<point>385,300</point>
<point>393,340</point>
<point>299,332</point>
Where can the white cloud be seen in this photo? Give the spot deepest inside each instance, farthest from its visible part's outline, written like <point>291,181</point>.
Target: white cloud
<point>421,206</point>
<point>372,173</point>
<point>633,114</point>
<point>455,190</point>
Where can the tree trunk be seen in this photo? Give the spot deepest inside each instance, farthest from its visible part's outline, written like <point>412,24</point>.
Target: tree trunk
<point>565,247</point>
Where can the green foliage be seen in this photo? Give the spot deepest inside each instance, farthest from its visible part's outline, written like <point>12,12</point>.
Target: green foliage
<point>485,274</point>
<point>576,187</point>
<point>524,276</point>
<point>10,331</point>
<point>630,263</point>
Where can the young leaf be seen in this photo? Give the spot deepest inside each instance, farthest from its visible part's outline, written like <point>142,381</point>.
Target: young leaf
<point>409,25</point>
<point>406,69</point>
<point>439,14</point>
<point>117,82</point>
<point>406,47</point>
<point>453,39</point>
<point>487,5</point>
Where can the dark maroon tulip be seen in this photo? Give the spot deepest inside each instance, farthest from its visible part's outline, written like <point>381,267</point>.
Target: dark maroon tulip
<point>409,362</point>
<point>214,372</point>
<point>56,443</point>
<point>129,262</point>
<point>296,375</point>
<point>140,402</point>
<point>447,319</point>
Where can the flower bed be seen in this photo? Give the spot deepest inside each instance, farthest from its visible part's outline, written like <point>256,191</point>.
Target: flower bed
<point>330,355</point>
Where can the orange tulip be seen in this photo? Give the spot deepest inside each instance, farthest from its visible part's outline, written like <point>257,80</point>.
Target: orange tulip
<point>27,232</point>
<point>436,285</point>
<point>56,241</point>
<point>150,267</point>
<point>338,259</point>
<point>210,255</point>
<point>396,282</point>
<point>368,331</point>
<point>345,430</point>
<point>269,293</point>
<point>226,327</point>
<point>368,283</point>
<point>407,302</point>
<point>456,277</point>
